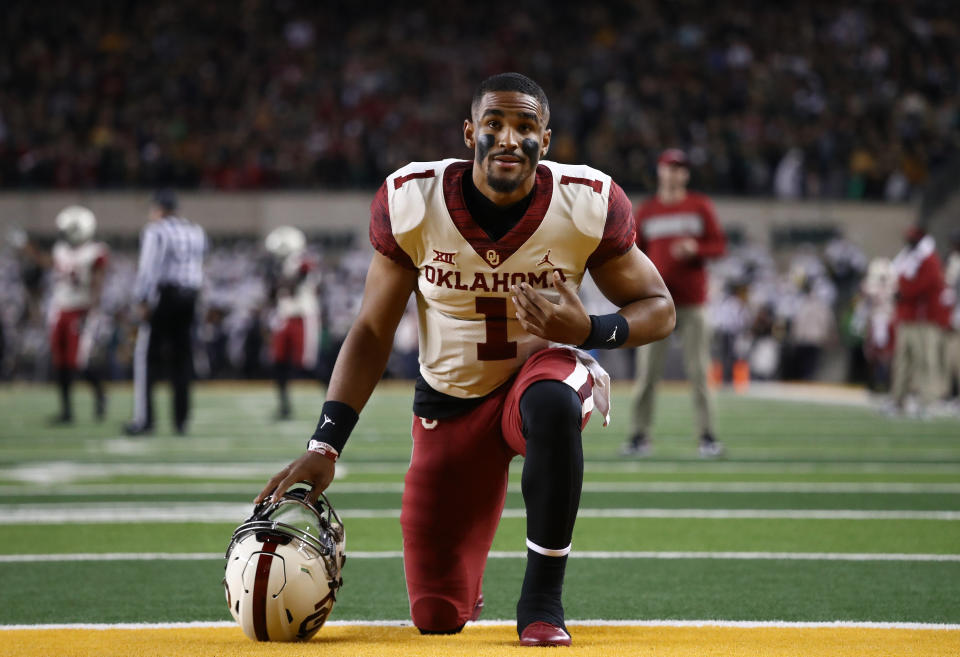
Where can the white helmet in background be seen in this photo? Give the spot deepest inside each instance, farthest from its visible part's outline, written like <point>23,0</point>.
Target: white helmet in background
<point>284,568</point>
<point>77,224</point>
<point>285,240</point>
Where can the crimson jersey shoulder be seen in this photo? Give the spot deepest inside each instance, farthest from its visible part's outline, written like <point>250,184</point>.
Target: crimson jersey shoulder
<point>400,206</point>
<point>381,229</point>
<point>411,188</point>
<point>619,230</point>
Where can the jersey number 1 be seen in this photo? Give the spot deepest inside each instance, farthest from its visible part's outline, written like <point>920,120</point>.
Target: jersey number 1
<point>497,347</point>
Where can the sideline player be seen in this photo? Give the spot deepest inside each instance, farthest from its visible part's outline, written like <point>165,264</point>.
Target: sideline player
<point>78,265</point>
<point>678,229</point>
<point>916,351</point>
<point>295,322</point>
<point>494,250</point>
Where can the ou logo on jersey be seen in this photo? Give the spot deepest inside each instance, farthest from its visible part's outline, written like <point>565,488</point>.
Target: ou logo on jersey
<point>493,257</point>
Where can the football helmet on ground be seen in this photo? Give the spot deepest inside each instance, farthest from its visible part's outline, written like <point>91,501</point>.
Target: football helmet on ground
<point>77,224</point>
<point>285,240</point>
<point>284,568</point>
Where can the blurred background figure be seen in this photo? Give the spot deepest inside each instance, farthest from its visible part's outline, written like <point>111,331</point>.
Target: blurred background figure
<point>679,232</point>
<point>951,303</point>
<point>295,324</point>
<point>875,314</point>
<point>812,328</point>
<point>916,367</point>
<point>733,322</point>
<point>77,264</point>
<point>169,278</point>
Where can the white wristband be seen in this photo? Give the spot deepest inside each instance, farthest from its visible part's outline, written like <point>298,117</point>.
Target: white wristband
<point>324,449</point>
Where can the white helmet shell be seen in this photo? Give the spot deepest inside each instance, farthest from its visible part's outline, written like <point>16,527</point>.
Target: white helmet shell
<point>284,568</point>
<point>77,224</point>
<point>285,240</point>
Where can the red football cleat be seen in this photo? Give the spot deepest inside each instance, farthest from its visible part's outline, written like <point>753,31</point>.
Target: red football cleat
<point>542,633</point>
<point>477,609</point>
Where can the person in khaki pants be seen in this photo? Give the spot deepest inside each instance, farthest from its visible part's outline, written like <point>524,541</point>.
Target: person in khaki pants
<point>951,333</point>
<point>916,355</point>
<point>679,232</point>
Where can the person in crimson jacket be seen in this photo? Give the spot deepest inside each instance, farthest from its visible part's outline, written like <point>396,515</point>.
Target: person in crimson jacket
<point>920,285</point>
<point>679,232</point>
<point>951,320</point>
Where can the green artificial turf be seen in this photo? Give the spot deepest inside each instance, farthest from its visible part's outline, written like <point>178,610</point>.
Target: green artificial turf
<point>233,448</point>
<point>161,591</point>
<point>659,534</point>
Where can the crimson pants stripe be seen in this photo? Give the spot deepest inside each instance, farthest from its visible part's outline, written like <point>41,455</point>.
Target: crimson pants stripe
<point>260,591</point>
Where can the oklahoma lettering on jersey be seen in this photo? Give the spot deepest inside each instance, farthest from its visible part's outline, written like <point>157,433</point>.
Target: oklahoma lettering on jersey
<point>470,339</point>
<point>73,268</point>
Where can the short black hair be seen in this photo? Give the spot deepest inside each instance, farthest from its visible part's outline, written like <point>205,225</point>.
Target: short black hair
<point>511,82</point>
<point>165,199</point>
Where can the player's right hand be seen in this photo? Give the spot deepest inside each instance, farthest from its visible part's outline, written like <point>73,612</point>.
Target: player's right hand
<point>312,468</point>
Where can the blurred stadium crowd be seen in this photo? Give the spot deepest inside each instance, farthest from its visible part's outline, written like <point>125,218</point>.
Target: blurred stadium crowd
<point>811,312</point>
<point>811,99</point>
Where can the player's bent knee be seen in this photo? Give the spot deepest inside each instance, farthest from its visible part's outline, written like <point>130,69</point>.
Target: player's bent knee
<point>548,406</point>
<point>436,615</point>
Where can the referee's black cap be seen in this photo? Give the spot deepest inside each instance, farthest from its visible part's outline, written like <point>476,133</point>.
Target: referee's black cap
<point>165,199</point>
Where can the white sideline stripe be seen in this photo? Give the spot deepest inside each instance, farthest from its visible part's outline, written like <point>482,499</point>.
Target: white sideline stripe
<point>795,467</point>
<point>873,625</point>
<point>76,490</point>
<point>59,472</point>
<point>497,554</point>
<point>64,472</point>
<point>205,512</point>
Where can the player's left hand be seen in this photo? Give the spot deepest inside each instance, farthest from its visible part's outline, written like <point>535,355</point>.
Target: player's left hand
<point>566,322</point>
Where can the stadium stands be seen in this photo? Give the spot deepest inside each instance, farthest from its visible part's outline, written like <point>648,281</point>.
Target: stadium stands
<point>837,100</point>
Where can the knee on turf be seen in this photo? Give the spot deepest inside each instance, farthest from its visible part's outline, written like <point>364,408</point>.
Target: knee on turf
<point>548,407</point>
<point>436,615</point>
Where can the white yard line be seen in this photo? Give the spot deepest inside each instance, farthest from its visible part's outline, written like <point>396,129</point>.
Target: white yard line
<point>853,487</point>
<point>577,554</point>
<point>512,623</point>
<point>119,512</point>
<point>794,466</point>
<point>58,473</point>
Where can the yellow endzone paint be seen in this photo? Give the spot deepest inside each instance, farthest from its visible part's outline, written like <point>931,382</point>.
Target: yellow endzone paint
<point>588,641</point>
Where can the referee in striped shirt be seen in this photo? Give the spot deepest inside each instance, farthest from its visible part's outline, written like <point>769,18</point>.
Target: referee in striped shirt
<point>168,282</point>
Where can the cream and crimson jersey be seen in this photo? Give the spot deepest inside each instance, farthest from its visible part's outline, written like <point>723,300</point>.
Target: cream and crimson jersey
<point>470,339</point>
<point>73,268</point>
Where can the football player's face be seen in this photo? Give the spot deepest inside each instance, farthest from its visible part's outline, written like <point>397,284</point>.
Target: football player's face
<point>509,135</point>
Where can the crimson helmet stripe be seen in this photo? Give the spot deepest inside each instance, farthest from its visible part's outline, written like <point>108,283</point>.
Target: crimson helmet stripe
<point>260,591</point>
